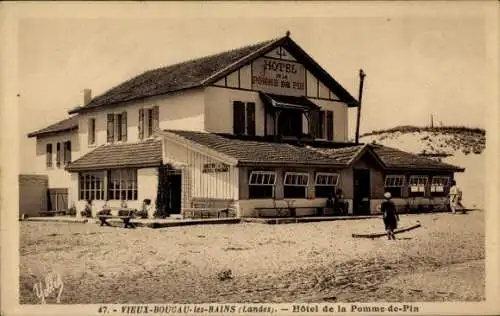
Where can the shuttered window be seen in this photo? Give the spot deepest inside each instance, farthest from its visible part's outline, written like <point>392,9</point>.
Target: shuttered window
<point>250,118</point>
<point>48,156</point>
<point>238,118</point>
<point>111,128</point>
<point>329,125</point>
<point>141,123</point>
<point>91,131</point>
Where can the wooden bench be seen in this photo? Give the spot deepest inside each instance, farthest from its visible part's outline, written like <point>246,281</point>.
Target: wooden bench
<point>52,213</point>
<point>124,214</point>
<point>206,208</point>
<point>205,212</point>
<point>284,211</point>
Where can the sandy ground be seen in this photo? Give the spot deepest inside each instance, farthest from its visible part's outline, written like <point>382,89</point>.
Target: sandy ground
<point>306,262</point>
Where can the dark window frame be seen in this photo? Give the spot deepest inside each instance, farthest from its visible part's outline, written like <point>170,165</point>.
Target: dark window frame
<point>48,156</point>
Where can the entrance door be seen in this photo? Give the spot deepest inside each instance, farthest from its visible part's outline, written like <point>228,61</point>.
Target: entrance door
<point>361,199</point>
<point>174,193</point>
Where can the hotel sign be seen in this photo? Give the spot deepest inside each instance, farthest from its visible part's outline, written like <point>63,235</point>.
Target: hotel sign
<point>215,167</point>
<point>278,76</point>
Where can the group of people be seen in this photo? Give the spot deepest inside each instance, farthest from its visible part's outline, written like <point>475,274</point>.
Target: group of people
<point>391,217</point>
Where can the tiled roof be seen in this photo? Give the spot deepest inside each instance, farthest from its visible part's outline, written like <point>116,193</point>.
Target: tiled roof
<point>188,74</point>
<point>68,124</point>
<point>143,154</point>
<point>205,71</point>
<point>251,151</point>
<point>342,155</point>
<point>398,159</point>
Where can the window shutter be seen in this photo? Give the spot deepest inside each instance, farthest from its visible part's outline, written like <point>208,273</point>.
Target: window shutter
<point>156,118</point>
<point>321,124</point>
<point>313,123</point>
<point>141,123</point>
<point>58,155</point>
<point>238,118</point>
<point>49,156</point>
<point>91,131</point>
<point>111,128</point>
<point>68,153</point>
<point>251,118</point>
<point>329,125</point>
<point>124,126</point>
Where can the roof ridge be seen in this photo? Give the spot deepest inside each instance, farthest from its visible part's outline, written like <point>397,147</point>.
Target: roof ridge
<point>213,55</point>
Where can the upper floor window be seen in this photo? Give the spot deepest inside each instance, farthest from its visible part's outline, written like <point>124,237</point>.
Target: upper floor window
<point>295,185</point>
<point>394,184</point>
<point>149,121</point>
<point>326,184</point>
<point>117,127</point>
<point>324,125</point>
<point>261,184</point>
<point>244,118</point>
<point>48,155</point>
<point>91,131</point>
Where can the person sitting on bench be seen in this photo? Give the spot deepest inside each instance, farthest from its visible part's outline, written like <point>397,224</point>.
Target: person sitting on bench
<point>339,203</point>
<point>87,212</point>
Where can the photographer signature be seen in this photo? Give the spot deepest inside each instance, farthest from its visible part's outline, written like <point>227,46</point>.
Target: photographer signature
<point>53,282</point>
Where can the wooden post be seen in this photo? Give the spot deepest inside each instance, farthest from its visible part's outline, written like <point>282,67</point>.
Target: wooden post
<point>362,76</point>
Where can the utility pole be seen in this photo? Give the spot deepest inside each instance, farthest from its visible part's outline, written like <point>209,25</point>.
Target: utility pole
<point>362,76</point>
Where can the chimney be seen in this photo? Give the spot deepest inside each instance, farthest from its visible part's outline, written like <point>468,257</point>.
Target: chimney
<point>87,96</point>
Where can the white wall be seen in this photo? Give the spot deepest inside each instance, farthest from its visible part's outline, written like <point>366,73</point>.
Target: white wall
<point>219,185</point>
<point>58,177</point>
<point>147,181</point>
<point>219,112</point>
<point>182,110</point>
<point>340,118</point>
<point>219,109</point>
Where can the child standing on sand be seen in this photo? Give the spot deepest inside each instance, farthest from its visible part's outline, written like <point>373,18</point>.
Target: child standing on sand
<point>390,216</point>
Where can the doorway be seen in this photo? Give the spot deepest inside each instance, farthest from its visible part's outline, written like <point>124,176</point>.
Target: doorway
<point>361,198</point>
<point>174,193</point>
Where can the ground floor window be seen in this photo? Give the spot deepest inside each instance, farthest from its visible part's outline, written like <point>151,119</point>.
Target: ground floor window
<point>394,184</point>
<point>261,184</point>
<point>122,184</point>
<point>439,185</point>
<point>417,185</point>
<point>91,186</point>
<point>326,184</point>
<point>295,185</point>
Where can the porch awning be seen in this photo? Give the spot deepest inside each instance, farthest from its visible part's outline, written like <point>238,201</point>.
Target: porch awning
<point>288,102</point>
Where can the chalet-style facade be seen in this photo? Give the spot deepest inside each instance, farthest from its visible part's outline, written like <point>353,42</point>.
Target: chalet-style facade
<point>257,127</point>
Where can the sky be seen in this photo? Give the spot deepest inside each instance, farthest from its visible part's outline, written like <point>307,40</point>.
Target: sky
<point>418,61</point>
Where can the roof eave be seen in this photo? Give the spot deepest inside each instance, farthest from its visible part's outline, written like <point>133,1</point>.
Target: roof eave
<point>51,133</point>
<point>87,109</point>
<point>251,163</point>
<point>115,166</point>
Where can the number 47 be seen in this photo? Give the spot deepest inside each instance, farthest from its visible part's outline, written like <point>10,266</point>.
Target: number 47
<point>103,310</point>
